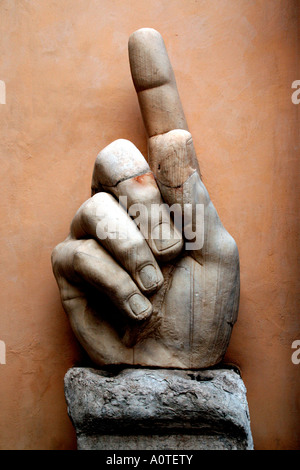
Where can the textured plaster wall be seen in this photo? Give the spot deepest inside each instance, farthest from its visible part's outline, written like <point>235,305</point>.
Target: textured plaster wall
<point>69,93</point>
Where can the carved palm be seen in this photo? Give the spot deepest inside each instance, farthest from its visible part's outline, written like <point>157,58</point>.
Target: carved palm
<point>148,299</point>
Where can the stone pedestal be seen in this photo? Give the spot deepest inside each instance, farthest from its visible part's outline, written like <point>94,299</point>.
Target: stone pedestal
<point>158,409</point>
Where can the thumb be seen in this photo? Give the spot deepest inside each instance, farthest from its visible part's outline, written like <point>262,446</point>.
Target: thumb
<point>172,157</point>
<point>173,160</point>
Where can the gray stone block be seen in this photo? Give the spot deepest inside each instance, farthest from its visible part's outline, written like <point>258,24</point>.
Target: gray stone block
<point>158,409</point>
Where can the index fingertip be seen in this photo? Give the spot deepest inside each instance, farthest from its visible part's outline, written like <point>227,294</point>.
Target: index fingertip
<point>149,61</point>
<point>155,83</point>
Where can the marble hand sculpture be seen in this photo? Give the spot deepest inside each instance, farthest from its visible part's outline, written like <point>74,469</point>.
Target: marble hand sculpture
<point>138,289</point>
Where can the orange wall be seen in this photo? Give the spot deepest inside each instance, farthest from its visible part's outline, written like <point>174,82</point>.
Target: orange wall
<point>69,94</point>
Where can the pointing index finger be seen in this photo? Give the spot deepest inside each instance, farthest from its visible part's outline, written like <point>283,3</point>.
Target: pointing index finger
<point>155,84</point>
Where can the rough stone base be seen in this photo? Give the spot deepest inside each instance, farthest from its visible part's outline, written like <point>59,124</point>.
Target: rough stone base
<point>158,409</point>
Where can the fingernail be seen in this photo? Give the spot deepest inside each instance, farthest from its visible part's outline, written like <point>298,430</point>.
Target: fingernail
<point>140,306</point>
<point>150,277</point>
<point>165,236</point>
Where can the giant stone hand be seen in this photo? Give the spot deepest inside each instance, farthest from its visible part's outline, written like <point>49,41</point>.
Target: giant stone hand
<point>137,287</point>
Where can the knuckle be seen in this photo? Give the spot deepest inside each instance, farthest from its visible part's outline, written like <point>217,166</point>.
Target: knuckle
<point>90,210</point>
<point>56,256</point>
<point>86,211</point>
<point>100,198</point>
<point>78,260</point>
<point>82,219</point>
